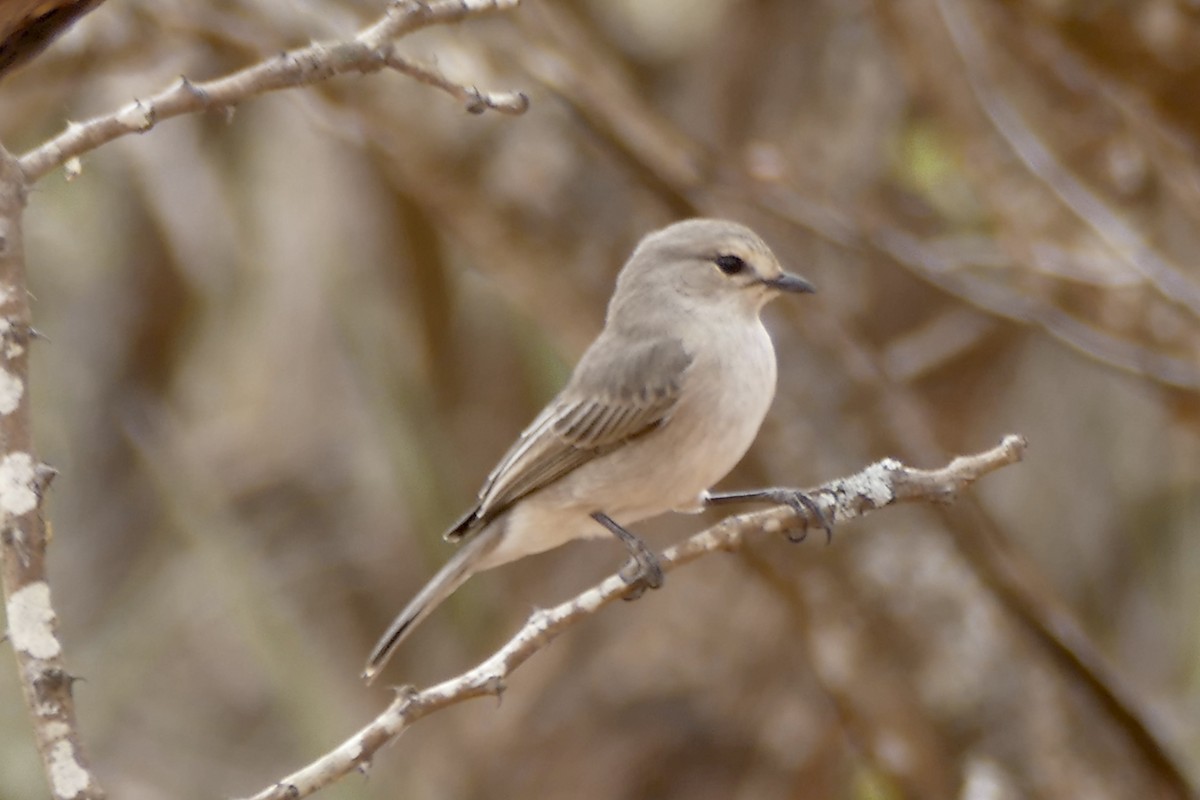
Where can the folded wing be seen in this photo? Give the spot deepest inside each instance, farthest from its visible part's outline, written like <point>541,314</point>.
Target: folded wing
<point>615,395</point>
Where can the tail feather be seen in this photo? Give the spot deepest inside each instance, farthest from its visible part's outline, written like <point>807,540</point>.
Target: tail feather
<point>454,574</point>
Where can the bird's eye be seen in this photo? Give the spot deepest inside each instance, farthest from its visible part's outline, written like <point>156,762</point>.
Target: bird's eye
<point>730,265</point>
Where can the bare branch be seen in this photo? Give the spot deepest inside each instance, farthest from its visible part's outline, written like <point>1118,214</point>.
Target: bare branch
<point>371,50</point>
<point>881,484</point>
<point>23,482</point>
<point>475,101</point>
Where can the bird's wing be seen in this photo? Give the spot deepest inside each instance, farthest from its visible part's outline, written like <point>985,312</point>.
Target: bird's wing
<point>617,393</point>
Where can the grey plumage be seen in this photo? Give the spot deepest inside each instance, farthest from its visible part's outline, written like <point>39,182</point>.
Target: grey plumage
<point>616,396</point>
<point>661,406</point>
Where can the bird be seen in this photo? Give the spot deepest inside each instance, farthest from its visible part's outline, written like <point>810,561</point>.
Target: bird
<point>661,406</point>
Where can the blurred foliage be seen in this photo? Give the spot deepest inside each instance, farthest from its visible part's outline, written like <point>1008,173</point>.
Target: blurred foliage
<point>286,345</point>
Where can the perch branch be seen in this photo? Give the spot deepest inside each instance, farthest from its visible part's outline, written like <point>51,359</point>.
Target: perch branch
<point>882,484</point>
<point>371,50</point>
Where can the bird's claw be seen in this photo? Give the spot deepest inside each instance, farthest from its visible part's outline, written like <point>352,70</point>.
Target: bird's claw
<point>806,509</point>
<point>641,572</point>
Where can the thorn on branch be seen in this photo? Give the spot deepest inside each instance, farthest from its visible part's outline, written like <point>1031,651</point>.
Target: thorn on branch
<point>405,693</point>
<point>496,685</point>
<point>505,102</point>
<point>194,91</point>
<point>137,117</point>
<point>53,679</point>
<point>475,102</point>
<point>43,476</point>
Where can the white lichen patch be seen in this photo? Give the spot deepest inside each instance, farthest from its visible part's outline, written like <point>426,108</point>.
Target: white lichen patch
<point>31,621</point>
<point>11,390</point>
<point>873,483</point>
<point>67,777</point>
<point>17,496</point>
<point>353,749</point>
<point>136,116</point>
<point>54,729</point>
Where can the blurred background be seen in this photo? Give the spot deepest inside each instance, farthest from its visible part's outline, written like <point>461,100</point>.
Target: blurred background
<point>286,345</point>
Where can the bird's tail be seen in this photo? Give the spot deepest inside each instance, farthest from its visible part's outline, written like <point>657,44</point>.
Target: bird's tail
<point>461,566</point>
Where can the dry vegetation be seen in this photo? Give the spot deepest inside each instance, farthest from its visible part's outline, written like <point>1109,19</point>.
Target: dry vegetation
<point>286,344</point>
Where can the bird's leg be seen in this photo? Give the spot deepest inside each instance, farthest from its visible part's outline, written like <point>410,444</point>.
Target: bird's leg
<point>805,507</point>
<point>644,570</point>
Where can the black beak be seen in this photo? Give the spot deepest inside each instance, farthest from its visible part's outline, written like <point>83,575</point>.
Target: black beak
<point>787,282</point>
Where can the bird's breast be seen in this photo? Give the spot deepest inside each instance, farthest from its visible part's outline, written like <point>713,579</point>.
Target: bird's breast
<point>730,390</point>
<point>726,394</point>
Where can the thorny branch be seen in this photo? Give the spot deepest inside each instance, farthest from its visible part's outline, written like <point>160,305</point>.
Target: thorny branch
<point>881,484</point>
<point>44,679</point>
<point>28,607</point>
<point>371,50</point>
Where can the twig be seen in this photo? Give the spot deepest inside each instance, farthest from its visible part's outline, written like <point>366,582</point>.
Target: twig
<point>371,50</point>
<point>23,481</point>
<point>881,484</point>
<point>476,102</point>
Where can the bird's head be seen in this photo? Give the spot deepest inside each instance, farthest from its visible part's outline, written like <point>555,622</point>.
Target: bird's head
<point>702,266</point>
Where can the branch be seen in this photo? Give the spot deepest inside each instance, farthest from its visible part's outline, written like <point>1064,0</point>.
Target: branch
<point>44,679</point>
<point>881,484</point>
<point>371,50</point>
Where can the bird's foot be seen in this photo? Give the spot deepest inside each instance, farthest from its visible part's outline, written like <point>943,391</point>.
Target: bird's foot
<point>806,508</point>
<point>641,572</point>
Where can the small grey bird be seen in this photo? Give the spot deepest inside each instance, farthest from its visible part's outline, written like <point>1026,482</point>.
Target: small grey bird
<point>663,405</point>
